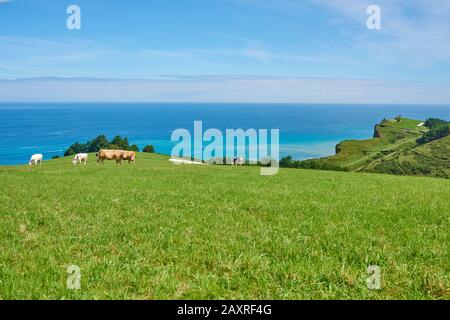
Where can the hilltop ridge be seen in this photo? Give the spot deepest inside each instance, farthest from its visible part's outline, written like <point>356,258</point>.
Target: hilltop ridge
<point>393,149</point>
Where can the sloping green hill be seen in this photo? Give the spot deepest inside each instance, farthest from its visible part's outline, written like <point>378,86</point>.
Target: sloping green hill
<point>159,230</point>
<point>389,136</point>
<point>430,159</point>
<point>392,150</point>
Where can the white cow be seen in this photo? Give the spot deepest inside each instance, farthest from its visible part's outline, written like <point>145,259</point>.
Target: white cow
<point>36,159</point>
<point>80,158</point>
<point>238,161</point>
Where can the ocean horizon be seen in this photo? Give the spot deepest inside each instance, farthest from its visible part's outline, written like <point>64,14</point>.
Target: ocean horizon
<point>306,130</point>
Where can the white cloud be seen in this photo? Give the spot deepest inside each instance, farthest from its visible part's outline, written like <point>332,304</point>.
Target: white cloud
<point>258,89</point>
<point>415,33</point>
<point>257,51</point>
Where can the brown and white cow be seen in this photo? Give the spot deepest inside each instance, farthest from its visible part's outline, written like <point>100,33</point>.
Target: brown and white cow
<point>80,158</point>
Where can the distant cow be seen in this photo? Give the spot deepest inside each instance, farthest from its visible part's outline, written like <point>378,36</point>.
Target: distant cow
<point>117,155</point>
<point>238,161</point>
<point>36,159</point>
<point>80,158</point>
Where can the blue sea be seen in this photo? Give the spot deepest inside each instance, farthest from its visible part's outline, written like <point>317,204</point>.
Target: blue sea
<point>306,130</point>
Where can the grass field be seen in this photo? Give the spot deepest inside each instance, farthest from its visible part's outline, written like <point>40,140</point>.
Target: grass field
<point>156,230</point>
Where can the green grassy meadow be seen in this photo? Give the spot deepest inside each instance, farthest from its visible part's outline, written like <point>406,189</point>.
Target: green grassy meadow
<point>155,230</point>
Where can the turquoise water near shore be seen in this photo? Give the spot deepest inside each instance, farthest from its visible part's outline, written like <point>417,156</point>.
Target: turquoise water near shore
<point>306,130</point>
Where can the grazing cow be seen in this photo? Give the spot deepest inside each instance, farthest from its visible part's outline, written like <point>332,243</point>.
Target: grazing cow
<point>36,159</point>
<point>239,161</point>
<point>117,155</point>
<point>80,158</point>
<point>103,155</point>
<point>129,155</point>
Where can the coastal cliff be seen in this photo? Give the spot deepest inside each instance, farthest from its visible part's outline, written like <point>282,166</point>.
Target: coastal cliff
<point>394,149</point>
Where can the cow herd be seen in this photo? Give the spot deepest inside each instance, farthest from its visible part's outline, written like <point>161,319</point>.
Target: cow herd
<point>102,155</point>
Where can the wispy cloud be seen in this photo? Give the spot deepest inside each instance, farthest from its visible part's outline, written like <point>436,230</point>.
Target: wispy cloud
<point>414,33</point>
<point>259,89</point>
<point>257,51</point>
<point>254,50</point>
<point>414,36</point>
<point>28,56</point>
<point>279,5</point>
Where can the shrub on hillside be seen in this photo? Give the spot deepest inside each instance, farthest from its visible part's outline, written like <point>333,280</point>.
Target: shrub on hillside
<point>100,142</point>
<point>402,168</point>
<point>286,162</point>
<point>315,164</point>
<point>434,123</point>
<point>435,134</point>
<point>133,147</point>
<point>149,149</point>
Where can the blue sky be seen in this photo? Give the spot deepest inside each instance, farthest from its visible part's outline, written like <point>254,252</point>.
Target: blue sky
<point>225,51</point>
